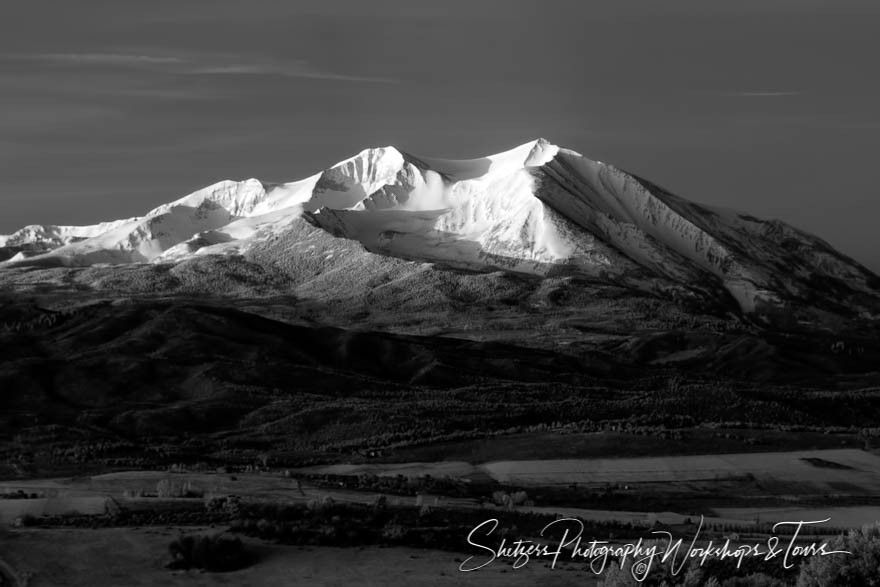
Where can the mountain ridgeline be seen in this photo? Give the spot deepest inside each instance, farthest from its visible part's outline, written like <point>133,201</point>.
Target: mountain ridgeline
<point>537,210</point>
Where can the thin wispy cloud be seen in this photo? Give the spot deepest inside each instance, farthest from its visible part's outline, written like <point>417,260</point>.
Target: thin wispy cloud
<point>764,93</point>
<point>103,59</point>
<point>220,65</point>
<point>298,68</point>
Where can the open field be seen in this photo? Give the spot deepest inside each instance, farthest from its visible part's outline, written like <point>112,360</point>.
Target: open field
<point>136,557</point>
<point>853,466</point>
<point>10,509</point>
<point>726,489</point>
<point>821,468</point>
<point>610,444</point>
<point>848,517</point>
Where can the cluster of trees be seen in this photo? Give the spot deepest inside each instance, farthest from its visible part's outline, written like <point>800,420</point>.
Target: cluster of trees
<point>175,488</point>
<point>665,424</point>
<point>90,451</point>
<point>648,408</point>
<point>330,523</point>
<point>511,500</point>
<point>859,568</point>
<point>228,505</point>
<point>19,494</point>
<point>26,521</point>
<point>46,319</point>
<point>395,485</point>
<point>671,316</point>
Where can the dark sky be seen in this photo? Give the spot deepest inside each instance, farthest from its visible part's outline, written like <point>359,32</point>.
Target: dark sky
<point>110,107</point>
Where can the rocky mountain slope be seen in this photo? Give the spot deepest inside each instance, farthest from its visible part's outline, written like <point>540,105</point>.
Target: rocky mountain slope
<point>537,209</point>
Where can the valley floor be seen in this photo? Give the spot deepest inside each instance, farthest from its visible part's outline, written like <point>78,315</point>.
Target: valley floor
<point>75,535</point>
<point>135,557</point>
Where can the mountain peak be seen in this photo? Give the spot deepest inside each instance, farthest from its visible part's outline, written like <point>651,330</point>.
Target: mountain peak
<point>541,152</point>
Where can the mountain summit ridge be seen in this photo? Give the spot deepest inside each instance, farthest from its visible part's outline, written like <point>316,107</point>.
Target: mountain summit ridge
<point>537,209</point>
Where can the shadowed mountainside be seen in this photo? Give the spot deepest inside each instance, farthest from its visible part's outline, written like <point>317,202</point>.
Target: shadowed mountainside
<point>144,381</point>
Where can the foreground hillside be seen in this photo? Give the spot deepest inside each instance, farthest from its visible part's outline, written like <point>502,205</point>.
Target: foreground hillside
<point>155,381</point>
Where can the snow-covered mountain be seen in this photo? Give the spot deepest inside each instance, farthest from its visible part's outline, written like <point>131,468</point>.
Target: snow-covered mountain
<point>536,209</point>
<point>42,238</point>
